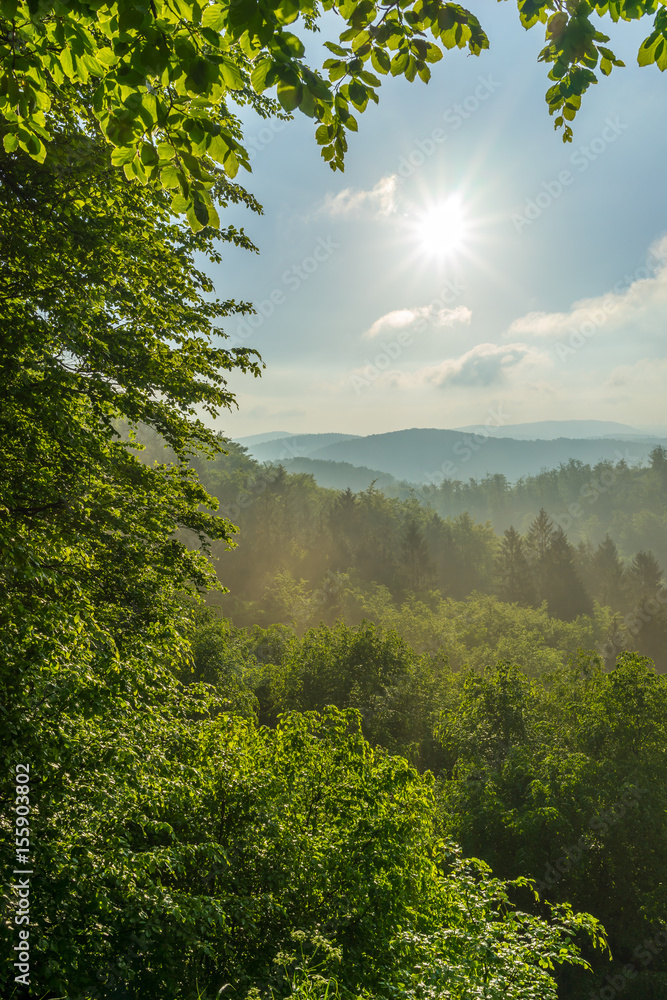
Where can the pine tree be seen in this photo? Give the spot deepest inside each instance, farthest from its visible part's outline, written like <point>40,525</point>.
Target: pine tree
<point>644,576</point>
<point>609,575</point>
<point>417,565</point>
<point>584,558</point>
<point>538,539</point>
<point>540,533</point>
<point>564,591</point>
<point>343,521</point>
<point>514,578</point>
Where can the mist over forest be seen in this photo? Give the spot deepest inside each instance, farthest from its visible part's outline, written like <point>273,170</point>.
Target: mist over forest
<point>573,540</point>
<point>428,455</point>
<point>373,708</point>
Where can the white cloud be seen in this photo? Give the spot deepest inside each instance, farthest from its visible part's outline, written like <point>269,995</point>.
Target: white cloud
<point>484,365</point>
<point>637,300</point>
<point>380,200</point>
<point>401,319</point>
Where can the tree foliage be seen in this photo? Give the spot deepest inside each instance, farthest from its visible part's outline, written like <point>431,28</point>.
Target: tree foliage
<point>161,77</point>
<point>80,513</point>
<point>555,770</point>
<point>307,555</point>
<point>105,320</point>
<point>559,778</point>
<point>181,851</point>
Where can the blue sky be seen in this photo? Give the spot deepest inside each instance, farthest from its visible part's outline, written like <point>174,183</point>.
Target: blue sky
<point>467,267</point>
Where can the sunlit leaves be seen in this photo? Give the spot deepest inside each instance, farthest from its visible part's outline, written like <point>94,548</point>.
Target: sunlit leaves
<point>153,66</point>
<point>576,48</point>
<point>654,48</point>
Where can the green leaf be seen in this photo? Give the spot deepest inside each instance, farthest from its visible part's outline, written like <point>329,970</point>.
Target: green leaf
<point>287,11</point>
<point>232,75</point>
<point>166,151</point>
<point>179,204</point>
<point>307,103</point>
<point>122,155</point>
<point>337,50</point>
<point>201,210</point>
<point>289,96</point>
<point>358,95</point>
<point>661,55</point>
<point>149,154</point>
<point>169,176</point>
<point>218,149</point>
<point>263,75</point>
<point>197,75</point>
<point>215,17</point>
<point>294,45</point>
<point>400,63</point>
<point>380,60</point>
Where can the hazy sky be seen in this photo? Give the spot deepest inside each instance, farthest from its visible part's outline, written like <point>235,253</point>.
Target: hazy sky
<point>468,266</point>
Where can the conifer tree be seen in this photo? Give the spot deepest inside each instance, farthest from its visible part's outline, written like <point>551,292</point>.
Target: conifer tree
<point>417,565</point>
<point>514,579</point>
<point>564,591</point>
<point>608,575</point>
<point>538,539</point>
<point>644,575</point>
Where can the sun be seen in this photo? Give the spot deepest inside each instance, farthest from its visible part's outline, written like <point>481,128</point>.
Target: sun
<point>442,230</point>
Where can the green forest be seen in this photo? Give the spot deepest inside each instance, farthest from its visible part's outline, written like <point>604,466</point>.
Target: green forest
<point>441,576</point>
<point>263,740</point>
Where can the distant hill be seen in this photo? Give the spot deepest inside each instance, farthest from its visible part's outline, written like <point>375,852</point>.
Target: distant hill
<point>427,455</point>
<point>255,439</point>
<point>292,446</point>
<point>549,430</point>
<point>342,475</point>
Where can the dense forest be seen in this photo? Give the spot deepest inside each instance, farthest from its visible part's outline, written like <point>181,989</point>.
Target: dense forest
<point>405,754</point>
<point>557,773</point>
<point>588,502</point>
<point>305,554</point>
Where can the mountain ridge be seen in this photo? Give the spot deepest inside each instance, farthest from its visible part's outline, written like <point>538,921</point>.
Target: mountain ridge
<point>428,455</point>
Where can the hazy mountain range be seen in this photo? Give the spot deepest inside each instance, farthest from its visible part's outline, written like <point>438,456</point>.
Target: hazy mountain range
<point>423,455</point>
